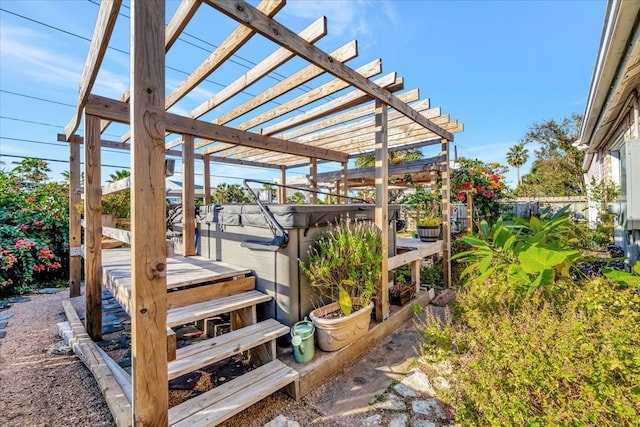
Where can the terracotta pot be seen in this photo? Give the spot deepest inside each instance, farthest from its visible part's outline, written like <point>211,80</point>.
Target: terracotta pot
<point>336,333</point>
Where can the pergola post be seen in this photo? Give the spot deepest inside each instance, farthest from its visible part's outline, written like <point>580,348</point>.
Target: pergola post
<point>313,184</point>
<point>206,178</point>
<point>382,206</point>
<point>344,189</point>
<point>149,376</point>
<point>446,214</point>
<point>188,205</point>
<point>282,191</point>
<point>92,228</point>
<point>75,230</point>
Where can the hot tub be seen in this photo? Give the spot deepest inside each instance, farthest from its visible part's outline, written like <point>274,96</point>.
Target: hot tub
<point>240,235</point>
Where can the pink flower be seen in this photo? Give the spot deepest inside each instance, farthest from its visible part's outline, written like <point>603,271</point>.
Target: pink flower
<point>23,227</point>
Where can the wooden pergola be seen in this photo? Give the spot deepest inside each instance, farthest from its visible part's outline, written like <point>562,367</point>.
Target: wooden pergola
<point>352,114</point>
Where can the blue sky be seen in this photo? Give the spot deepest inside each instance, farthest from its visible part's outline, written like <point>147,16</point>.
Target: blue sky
<point>496,66</point>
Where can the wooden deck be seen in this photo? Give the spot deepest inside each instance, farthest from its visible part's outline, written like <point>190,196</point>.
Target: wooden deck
<point>181,272</point>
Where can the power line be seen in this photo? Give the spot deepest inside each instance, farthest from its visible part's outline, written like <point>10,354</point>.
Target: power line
<point>46,124</point>
<point>15,119</point>
<point>38,98</point>
<point>33,141</point>
<point>58,161</point>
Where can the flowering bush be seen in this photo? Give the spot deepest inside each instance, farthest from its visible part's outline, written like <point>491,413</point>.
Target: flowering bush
<point>33,228</point>
<point>484,183</point>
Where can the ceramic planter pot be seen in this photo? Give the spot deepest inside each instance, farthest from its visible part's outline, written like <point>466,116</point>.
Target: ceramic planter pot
<point>336,333</point>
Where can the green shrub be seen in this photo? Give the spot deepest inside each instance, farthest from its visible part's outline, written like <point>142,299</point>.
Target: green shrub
<point>549,363</point>
<point>34,225</point>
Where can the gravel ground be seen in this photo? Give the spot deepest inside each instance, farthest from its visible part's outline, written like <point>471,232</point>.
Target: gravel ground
<point>40,387</point>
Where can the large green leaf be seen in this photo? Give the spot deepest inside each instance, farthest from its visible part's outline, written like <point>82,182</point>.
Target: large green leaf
<point>516,272</point>
<point>346,305</point>
<point>500,236</point>
<point>474,241</point>
<point>545,278</point>
<point>621,277</point>
<point>536,259</point>
<point>535,224</point>
<point>484,228</point>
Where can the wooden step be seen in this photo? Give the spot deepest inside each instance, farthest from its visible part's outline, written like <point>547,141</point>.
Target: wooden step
<point>203,310</point>
<point>223,402</point>
<point>204,353</point>
<point>204,292</point>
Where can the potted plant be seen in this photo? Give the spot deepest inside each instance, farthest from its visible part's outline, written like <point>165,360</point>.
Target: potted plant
<point>428,228</point>
<point>344,269</point>
<point>424,208</point>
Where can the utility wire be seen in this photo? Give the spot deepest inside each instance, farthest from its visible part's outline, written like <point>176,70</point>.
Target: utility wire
<point>46,124</point>
<point>38,98</point>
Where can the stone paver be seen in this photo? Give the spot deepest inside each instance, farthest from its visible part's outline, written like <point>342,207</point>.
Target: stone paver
<point>399,420</point>
<point>415,384</point>
<point>392,402</point>
<point>372,421</point>
<point>282,421</point>
<point>429,407</point>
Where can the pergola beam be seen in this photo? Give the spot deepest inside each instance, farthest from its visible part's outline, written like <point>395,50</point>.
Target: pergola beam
<point>356,113</point>
<point>312,33</point>
<point>225,50</point>
<point>278,33</point>
<point>371,69</point>
<point>118,111</point>
<point>345,53</point>
<point>344,102</point>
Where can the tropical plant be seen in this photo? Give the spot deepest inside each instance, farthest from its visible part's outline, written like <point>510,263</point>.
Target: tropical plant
<point>34,226</point>
<point>345,263</point>
<point>118,204</point>
<point>423,206</point>
<point>226,194</point>
<point>297,198</point>
<point>400,156</point>
<point>531,253</point>
<point>517,156</point>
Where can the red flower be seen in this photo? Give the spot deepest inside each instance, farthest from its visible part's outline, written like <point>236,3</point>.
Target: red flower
<point>30,200</point>
<point>46,253</point>
<point>488,194</point>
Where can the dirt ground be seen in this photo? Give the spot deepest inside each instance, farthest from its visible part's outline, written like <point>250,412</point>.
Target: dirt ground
<point>41,384</point>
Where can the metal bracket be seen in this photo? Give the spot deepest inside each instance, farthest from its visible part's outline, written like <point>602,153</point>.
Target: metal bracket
<point>75,251</point>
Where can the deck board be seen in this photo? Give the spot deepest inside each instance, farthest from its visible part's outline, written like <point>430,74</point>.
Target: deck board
<point>181,271</point>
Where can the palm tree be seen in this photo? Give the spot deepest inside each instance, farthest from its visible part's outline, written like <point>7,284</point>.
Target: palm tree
<point>395,157</point>
<point>517,156</point>
<point>118,175</point>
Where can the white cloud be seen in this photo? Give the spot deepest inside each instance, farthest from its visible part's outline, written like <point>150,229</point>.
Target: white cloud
<point>353,18</point>
<point>40,60</point>
<point>25,50</point>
